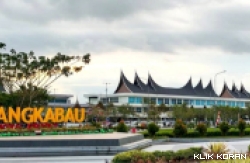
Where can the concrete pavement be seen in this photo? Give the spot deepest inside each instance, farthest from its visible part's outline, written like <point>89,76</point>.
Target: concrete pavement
<point>73,159</point>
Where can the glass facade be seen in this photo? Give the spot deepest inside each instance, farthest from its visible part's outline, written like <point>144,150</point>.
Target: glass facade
<point>166,101</point>
<point>135,100</point>
<point>138,110</point>
<point>114,100</point>
<point>186,101</point>
<point>198,102</point>
<point>160,101</point>
<point>179,101</point>
<point>153,100</point>
<point>58,101</point>
<point>191,102</point>
<point>203,102</point>
<point>173,102</point>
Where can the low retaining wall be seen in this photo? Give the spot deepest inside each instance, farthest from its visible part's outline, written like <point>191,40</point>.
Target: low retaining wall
<point>72,151</point>
<point>71,145</point>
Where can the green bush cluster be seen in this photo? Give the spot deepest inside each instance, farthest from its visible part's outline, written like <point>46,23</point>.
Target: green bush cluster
<point>191,125</point>
<point>241,126</point>
<point>191,134</point>
<point>152,129</point>
<point>224,127</point>
<point>202,128</point>
<point>180,128</point>
<point>228,161</point>
<point>121,127</point>
<point>137,155</point>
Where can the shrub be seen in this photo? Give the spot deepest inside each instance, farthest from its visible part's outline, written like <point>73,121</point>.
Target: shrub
<point>133,156</point>
<point>180,128</point>
<point>96,124</point>
<point>213,133</point>
<point>202,128</point>
<point>121,127</point>
<point>224,127</point>
<point>228,161</point>
<point>137,156</point>
<point>191,125</point>
<point>192,134</point>
<point>167,155</point>
<point>152,129</point>
<point>217,148</point>
<point>241,126</point>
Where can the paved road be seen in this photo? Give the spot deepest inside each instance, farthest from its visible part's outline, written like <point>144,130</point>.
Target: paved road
<point>74,159</point>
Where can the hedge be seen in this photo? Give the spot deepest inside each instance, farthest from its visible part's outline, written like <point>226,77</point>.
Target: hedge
<point>210,133</point>
<point>136,155</point>
<point>228,161</point>
<point>57,131</point>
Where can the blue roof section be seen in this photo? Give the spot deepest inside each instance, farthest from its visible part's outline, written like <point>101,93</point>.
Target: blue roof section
<point>153,88</point>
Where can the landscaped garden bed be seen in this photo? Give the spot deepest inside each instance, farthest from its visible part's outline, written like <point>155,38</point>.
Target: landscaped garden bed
<point>48,129</point>
<point>180,156</point>
<point>157,156</point>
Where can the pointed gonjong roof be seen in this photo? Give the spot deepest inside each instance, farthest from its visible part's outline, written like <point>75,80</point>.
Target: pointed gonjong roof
<point>77,105</point>
<point>199,90</point>
<point>238,93</point>
<point>125,86</point>
<point>244,91</point>
<point>209,90</point>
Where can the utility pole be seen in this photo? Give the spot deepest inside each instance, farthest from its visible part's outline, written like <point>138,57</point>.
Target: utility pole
<point>224,71</point>
<point>107,94</point>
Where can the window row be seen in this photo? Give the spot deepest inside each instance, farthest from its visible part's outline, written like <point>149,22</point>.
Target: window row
<point>140,100</point>
<point>58,101</point>
<point>110,100</point>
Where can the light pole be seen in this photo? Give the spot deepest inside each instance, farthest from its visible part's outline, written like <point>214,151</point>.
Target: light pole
<point>106,94</point>
<point>221,72</point>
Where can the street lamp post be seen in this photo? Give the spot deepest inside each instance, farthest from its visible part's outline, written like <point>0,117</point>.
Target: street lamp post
<point>106,94</point>
<point>224,71</point>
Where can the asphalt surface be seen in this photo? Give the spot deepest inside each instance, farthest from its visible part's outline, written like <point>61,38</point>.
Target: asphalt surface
<point>74,159</point>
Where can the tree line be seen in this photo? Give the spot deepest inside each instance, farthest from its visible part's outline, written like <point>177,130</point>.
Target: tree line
<point>27,78</point>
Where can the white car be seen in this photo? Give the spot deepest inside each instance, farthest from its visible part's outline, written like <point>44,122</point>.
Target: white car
<point>160,124</point>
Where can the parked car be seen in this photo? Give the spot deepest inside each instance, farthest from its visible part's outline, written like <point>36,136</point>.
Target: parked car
<point>160,124</point>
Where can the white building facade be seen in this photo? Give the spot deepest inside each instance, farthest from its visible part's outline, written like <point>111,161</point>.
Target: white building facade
<point>134,94</point>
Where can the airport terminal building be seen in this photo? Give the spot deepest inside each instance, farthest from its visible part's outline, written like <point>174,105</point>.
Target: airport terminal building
<point>199,96</point>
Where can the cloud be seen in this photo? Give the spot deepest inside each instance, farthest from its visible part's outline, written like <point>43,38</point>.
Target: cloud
<point>172,39</point>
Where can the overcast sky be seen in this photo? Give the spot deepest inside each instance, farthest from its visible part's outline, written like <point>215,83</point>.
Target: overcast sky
<point>171,39</point>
